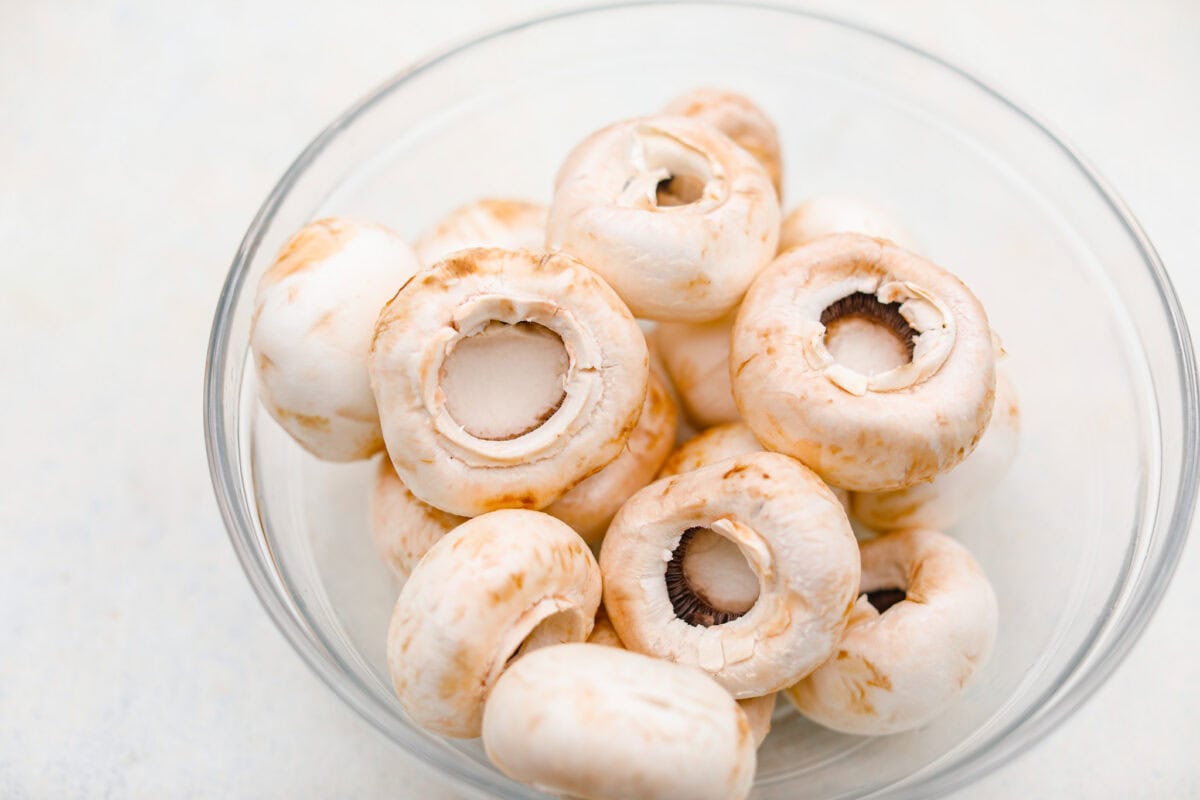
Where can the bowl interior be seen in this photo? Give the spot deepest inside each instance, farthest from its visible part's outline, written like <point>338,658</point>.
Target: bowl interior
<point>1068,538</point>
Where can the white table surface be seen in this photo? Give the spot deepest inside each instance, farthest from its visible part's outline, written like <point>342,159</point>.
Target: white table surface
<point>137,139</point>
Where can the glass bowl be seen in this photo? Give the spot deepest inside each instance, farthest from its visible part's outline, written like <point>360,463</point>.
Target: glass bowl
<point>1081,537</point>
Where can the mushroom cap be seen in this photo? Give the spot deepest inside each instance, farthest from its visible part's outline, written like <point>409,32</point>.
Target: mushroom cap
<point>590,506</point>
<point>795,538</point>
<point>495,587</point>
<point>947,499</point>
<point>898,670</point>
<point>863,432</point>
<point>710,446</point>
<point>403,526</point>
<point>687,262</point>
<point>696,355</point>
<point>834,213</point>
<point>490,222</point>
<point>603,633</point>
<point>739,118</point>
<point>314,316</point>
<point>603,386</point>
<point>601,723</point>
<point>758,712</point>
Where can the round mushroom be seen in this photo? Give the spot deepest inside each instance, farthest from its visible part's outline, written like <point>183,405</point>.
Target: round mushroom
<point>710,446</point>
<point>924,625</point>
<point>696,356</point>
<point>871,365</point>
<point>673,214</point>
<point>834,213</point>
<point>746,569</point>
<point>314,316</point>
<point>496,587</point>
<point>736,116</point>
<point>947,499</point>
<point>504,378</point>
<point>491,222</point>
<point>603,633</point>
<point>601,723</point>
<point>403,526</point>
<point>590,506</point>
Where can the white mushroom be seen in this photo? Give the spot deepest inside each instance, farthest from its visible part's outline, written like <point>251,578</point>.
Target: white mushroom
<point>710,446</point>
<point>696,355</point>
<point>871,365</point>
<point>314,316</point>
<point>736,116</point>
<point>746,569</point>
<point>603,633</point>
<point>833,213</point>
<point>505,378</point>
<point>600,723</point>
<point>758,712</point>
<point>924,625</point>
<point>491,222</point>
<point>403,526</point>
<point>717,444</point>
<point>496,587</point>
<point>674,215</point>
<point>590,506</point>
<point>947,499</point>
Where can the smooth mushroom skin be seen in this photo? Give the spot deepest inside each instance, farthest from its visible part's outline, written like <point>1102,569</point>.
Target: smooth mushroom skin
<point>314,316</point>
<point>898,670</point>
<point>739,118</point>
<point>496,587</point>
<point>603,633</point>
<point>758,712</point>
<point>676,217</point>
<point>886,427</point>
<point>523,302</point>
<point>490,222</point>
<point>947,499</point>
<point>758,709</point>
<point>600,723</point>
<point>710,446</point>
<point>834,213</point>
<point>590,506</point>
<point>696,355</point>
<point>404,527</point>
<point>794,540</point>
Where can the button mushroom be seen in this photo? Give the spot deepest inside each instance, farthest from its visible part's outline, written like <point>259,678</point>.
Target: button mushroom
<point>603,633</point>
<point>504,378</point>
<point>673,214</point>
<point>833,213</point>
<point>746,569</point>
<point>696,355</point>
<point>590,506</point>
<point>737,117</point>
<point>402,526</point>
<point>496,587</point>
<point>924,625</point>
<point>946,500</point>
<point>605,724</point>
<point>491,222</point>
<point>313,320</point>
<point>710,446</point>
<point>871,365</point>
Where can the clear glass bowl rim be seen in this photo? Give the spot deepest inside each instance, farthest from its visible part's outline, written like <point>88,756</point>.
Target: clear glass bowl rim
<point>1005,744</point>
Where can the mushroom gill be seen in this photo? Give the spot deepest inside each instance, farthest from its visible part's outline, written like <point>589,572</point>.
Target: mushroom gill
<point>709,581</point>
<point>867,335</point>
<point>883,599</point>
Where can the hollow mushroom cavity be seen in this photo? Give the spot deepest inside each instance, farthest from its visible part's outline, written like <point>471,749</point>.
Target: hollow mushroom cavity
<point>505,378</point>
<point>868,363</point>
<point>673,214</point>
<point>745,569</point>
<point>922,628</point>
<point>310,335</point>
<point>497,587</point>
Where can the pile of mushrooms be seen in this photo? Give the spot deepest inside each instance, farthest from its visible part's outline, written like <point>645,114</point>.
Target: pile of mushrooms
<point>593,592</point>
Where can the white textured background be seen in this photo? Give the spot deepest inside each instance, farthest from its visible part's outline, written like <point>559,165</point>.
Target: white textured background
<point>137,139</point>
